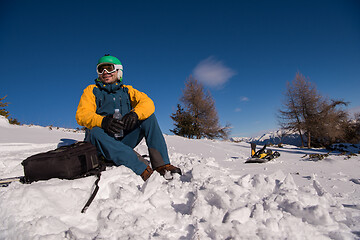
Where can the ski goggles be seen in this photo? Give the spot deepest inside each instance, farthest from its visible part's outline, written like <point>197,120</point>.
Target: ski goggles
<point>108,67</point>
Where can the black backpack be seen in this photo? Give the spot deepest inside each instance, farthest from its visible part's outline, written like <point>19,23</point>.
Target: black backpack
<point>67,162</point>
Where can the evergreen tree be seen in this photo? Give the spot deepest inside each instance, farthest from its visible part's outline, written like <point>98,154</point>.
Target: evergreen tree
<point>183,123</point>
<point>3,111</point>
<point>198,118</point>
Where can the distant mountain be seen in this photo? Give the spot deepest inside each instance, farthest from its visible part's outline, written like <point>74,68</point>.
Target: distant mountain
<point>272,138</point>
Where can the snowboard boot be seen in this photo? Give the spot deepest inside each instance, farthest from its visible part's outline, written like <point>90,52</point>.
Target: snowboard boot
<point>168,170</point>
<point>146,173</point>
<point>253,149</point>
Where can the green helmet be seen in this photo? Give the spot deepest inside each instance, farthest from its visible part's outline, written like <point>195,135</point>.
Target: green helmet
<point>113,60</point>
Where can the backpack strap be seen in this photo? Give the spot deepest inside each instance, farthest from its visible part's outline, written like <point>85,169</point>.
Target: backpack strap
<point>93,193</point>
<point>97,172</point>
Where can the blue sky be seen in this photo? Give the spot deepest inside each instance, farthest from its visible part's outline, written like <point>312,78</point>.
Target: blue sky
<point>244,52</point>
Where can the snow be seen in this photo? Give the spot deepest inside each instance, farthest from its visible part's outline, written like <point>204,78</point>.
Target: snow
<point>217,197</point>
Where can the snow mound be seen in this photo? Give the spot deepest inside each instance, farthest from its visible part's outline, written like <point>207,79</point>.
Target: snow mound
<point>203,203</point>
<point>215,198</point>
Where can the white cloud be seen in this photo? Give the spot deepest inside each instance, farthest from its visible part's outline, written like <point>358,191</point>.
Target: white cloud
<point>237,109</point>
<point>244,99</point>
<point>212,72</point>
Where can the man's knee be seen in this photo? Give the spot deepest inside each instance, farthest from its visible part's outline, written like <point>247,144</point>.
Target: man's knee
<point>150,122</point>
<point>96,132</point>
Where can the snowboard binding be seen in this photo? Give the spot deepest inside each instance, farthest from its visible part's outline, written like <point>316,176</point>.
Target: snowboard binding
<point>262,155</point>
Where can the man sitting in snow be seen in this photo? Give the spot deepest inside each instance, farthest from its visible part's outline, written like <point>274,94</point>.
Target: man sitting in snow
<point>95,111</point>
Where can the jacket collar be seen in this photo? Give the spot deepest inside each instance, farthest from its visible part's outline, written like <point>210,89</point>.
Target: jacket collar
<point>111,88</point>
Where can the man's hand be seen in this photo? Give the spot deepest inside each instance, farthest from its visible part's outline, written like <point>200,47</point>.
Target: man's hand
<point>112,125</point>
<point>130,120</point>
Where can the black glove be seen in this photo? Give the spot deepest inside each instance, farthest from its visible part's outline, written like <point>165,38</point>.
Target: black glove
<point>112,125</point>
<point>130,120</point>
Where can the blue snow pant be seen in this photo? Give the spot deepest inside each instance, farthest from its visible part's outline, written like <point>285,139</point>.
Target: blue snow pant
<point>121,151</point>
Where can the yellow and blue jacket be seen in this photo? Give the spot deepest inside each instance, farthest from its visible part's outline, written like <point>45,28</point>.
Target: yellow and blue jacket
<point>99,100</point>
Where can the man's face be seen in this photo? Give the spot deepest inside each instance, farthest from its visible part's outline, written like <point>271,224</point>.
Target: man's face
<point>108,78</point>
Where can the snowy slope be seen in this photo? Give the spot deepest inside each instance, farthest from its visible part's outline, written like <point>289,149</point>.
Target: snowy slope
<point>218,196</point>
